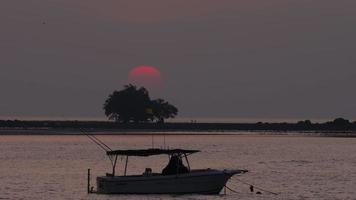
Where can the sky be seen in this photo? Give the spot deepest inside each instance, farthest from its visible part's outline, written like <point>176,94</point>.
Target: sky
<point>255,59</point>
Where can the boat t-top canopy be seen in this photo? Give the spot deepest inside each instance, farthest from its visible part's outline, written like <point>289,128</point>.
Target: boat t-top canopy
<point>149,152</point>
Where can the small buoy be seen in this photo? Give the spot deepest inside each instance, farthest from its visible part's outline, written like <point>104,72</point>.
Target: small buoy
<point>251,188</point>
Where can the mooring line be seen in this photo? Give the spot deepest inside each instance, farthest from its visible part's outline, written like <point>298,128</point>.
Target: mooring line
<point>246,183</point>
<point>250,187</point>
<point>231,189</point>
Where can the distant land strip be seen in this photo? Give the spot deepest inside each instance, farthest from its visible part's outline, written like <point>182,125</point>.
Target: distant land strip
<point>338,127</point>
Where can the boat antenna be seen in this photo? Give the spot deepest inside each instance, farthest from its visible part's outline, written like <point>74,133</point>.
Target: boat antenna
<point>164,141</point>
<point>97,141</point>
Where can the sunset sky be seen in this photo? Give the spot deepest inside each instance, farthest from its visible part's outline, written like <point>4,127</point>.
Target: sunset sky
<point>258,59</point>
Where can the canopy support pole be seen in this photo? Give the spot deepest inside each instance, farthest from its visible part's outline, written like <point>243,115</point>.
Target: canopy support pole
<point>114,166</point>
<point>186,159</point>
<point>88,186</point>
<point>127,159</point>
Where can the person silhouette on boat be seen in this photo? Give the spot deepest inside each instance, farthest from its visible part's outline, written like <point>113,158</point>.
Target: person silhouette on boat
<point>175,166</point>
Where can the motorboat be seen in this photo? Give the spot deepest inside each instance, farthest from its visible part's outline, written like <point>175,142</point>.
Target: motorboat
<point>175,178</point>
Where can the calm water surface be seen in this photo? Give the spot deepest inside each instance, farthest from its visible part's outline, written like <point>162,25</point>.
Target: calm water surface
<point>55,167</point>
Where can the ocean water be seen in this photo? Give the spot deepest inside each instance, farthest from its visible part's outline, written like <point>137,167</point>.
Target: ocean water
<point>55,167</point>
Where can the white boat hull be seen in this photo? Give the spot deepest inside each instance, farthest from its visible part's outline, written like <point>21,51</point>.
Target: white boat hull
<point>197,181</point>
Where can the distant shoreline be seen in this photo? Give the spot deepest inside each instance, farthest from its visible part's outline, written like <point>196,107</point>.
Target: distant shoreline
<point>66,132</point>
<point>337,128</point>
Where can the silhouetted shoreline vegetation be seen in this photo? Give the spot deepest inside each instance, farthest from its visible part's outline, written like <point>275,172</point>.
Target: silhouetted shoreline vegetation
<point>132,110</point>
<point>133,104</point>
<point>337,127</point>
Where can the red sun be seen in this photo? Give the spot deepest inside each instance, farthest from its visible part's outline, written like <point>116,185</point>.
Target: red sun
<point>144,75</point>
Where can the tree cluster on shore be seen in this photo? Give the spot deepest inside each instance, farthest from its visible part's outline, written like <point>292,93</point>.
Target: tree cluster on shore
<point>134,104</point>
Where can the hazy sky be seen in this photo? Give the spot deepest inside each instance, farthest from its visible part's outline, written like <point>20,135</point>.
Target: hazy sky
<point>219,58</point>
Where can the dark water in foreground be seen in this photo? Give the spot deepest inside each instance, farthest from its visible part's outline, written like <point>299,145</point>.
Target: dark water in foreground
<point>54,167</point>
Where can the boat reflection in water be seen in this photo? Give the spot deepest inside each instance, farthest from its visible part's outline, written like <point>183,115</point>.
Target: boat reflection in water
<point>174,179</point>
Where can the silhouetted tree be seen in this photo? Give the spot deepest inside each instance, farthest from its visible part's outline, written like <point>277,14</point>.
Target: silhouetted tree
<point>134,104</point>
<point>129,104</point>
<point>305,123</point>
<point>341,122</point>
<point>163,110</point>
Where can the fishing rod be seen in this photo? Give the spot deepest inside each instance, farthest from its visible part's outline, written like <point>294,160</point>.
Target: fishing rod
<point>97,141</point>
